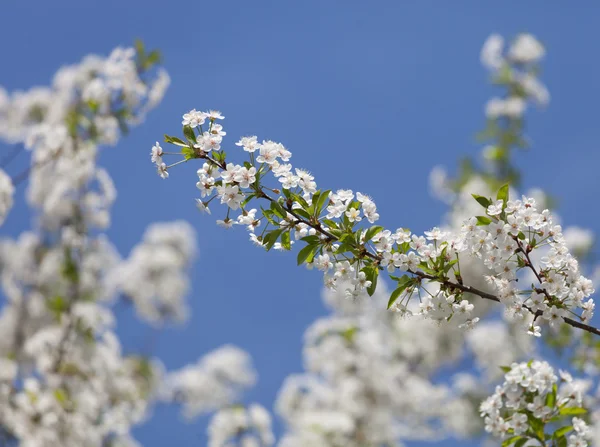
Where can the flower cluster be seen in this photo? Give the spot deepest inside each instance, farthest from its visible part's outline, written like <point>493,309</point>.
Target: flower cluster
<point>369,379</point>
<point>154,276</point>
<point>64,378</point>
<point>216,380</point>
<point>6,195</point>
<point>243,426</point>
<point>532,405</point>
<point>505,239</point>
<point>518,68</point>
<point>329,223</point>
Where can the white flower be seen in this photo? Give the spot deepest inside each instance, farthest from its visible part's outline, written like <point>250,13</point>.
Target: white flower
<point>163,170</point>
<point>353,215</point>
<point>194,118</point>
<point>203,207</point>
<point>491,53</point>
<point>526,49</point>
<point>249,144</point>
<point>156,154</point>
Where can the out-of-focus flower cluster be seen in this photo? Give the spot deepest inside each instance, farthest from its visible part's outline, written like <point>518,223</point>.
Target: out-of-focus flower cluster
<point>241,426</point>
<point>213,382</point>
<point>64,379</point>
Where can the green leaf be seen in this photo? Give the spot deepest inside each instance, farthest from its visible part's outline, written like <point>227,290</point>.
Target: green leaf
<point>344,248</point>
<point>302,213</point>
<point>349,333</point>
<point>503,194</point>
<point>312,240</point>
<point>61,396</point>
<point>323,199</point>
<point>330,223</point>
<point>537,425</point>
<point>270,238</point>
<point>511,441</point>
<point>269,216</point>
<point>314,201</point>
<point>551,398</point>
<point>521,442</point>
<point>483,220</point>
<point>278,209</point>
<point>505,368</point>
<point>248,199</point>
<point>562,431</point>
<point>403,283</point>
<point>371,273</point>
<point>572,411</point>
<point>372,232</point>
<point>69,270</point>
<point>303,203</point>
<point>483,201</point>
<point>285,241</point>
<point>562,442</point>
<point>57,303</point>
<point>188,153</point>
<point>190,135</point>
<point>139,47</point>
<point>307,254</point>
<point>174,140</point>
<point>152,58</point>
<point>449,265</point>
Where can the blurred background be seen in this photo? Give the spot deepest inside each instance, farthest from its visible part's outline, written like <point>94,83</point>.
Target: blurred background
<point>367,95</point>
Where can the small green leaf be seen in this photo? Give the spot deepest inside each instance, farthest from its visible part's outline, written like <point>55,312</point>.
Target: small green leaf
<point>483,220</point>
<point>174,140</point>
<point>152,58</point>
<point>506,368</point>
<point>303,203</point>
<point>285,241</point>
<point>307,253</point>
<point>537,425</point>
<point>522,442</point>
<point>503,194</point>
<point>61,396</point>
<point>403,283</point>
<point>270,238</point>
<point>323,199</point>
<point>562,431</point>
<point>302,213</point>
<point>57,304</point>
<point>248,199</point>
<point>572,411</point>
<point>188,153</point>
<point>371,273</point>
<point>312,240</point>
<point>511,441</point>
<point>330,223</point>
<point>139,47</point>
<point>190,135</point>
<point>269,216</point>
<point>551,397</point>
<point>483,201</point>
<point>372,232</point>
<point>278,209</point>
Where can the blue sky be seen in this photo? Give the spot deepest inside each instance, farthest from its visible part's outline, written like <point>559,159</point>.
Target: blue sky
<point>367,95</point>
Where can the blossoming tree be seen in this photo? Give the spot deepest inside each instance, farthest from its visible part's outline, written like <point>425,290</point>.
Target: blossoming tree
<point>514,243</point>
<point>371,365</point>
